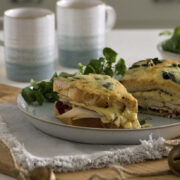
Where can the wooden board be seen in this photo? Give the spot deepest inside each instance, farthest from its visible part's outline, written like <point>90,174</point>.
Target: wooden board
<point>8,94</point>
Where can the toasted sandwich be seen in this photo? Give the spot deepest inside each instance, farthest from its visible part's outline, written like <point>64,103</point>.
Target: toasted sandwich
<point>95,101</point>
<point>156,85</point>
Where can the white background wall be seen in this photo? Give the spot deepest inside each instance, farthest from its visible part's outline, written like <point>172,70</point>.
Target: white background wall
<point>146,13</point>
<point>130,13</point>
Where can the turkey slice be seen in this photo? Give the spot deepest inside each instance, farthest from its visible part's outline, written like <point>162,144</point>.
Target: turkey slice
<point>79,113</point>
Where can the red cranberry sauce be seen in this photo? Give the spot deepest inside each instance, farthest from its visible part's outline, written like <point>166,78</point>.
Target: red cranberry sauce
<point>62,108</point>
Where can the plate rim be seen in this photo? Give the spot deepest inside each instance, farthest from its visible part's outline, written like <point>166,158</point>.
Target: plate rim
<point>89,128</point>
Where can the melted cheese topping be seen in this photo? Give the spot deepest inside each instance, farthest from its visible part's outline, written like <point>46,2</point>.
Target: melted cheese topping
<point>126,119</point>
<point>99,84</point>
<point>142,78</point>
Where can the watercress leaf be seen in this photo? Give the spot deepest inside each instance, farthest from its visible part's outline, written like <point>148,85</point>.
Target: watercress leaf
<point>81,68</point>
<point>40,91</point>
<point>177,31</point>
<point>89,69</point>
<point>110,55</point>
<point>104,65</point>
<point>101,59</point>
<point>34,84</point>
<point>39,97</point>
<point>54,76</point>
<point>45,87</point>
<point>49,86</point>
<point>120,67</point>
<point>27,94</point>
<point>165,33</point>
<point>173,44</point>
<point>42,86</point>
<point>108,71</point>
<point>52,96</point>
<point>94,66</point>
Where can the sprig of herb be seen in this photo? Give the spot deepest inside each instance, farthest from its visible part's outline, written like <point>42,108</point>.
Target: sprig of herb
<point>172,44</point>
<point>105,65</point>
<point>40,92</point>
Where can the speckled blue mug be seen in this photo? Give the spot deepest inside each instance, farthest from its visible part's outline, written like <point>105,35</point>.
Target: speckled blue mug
<point>81,30</point>
<point>29,44</point>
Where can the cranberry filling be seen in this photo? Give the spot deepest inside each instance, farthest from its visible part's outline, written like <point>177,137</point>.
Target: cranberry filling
<point>62,108</point>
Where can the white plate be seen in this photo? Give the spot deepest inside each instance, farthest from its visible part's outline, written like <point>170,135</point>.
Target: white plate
<point>43,118</point>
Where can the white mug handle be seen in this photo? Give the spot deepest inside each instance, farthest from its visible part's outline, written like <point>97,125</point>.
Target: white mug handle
<point>1,41</point>
<point>110,18</point>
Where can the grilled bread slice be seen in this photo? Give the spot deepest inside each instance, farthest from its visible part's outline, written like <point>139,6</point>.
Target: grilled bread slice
<point>96,101</point>
<point>156,85</point>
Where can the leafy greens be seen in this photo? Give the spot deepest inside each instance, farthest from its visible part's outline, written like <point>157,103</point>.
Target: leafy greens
<point>40,92</point>
<point>105,65</point>
<point>172,44</point>
<point>43,91</point>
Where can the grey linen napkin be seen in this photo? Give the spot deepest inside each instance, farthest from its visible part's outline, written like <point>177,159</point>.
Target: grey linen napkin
<point>32,148</point>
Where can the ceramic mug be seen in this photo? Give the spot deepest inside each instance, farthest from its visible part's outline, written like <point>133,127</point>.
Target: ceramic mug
<point>81,30</point>
<point>29,43</point>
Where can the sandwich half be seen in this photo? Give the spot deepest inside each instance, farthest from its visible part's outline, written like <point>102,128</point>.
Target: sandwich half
<point>95,101</point>
<point>156,85</point>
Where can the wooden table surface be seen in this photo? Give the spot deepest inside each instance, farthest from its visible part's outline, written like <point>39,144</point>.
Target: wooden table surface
<point>8,94</point>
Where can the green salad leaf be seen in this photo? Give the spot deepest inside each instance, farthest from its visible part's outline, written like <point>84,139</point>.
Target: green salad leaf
<point>40,92</point>
<point>120,67</point>
<point>105,65</point>
<point>110,55</point>
<point>172,44</point>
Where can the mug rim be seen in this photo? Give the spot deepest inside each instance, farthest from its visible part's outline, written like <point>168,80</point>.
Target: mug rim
<point>47,12</point>
<point>59,4</point>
